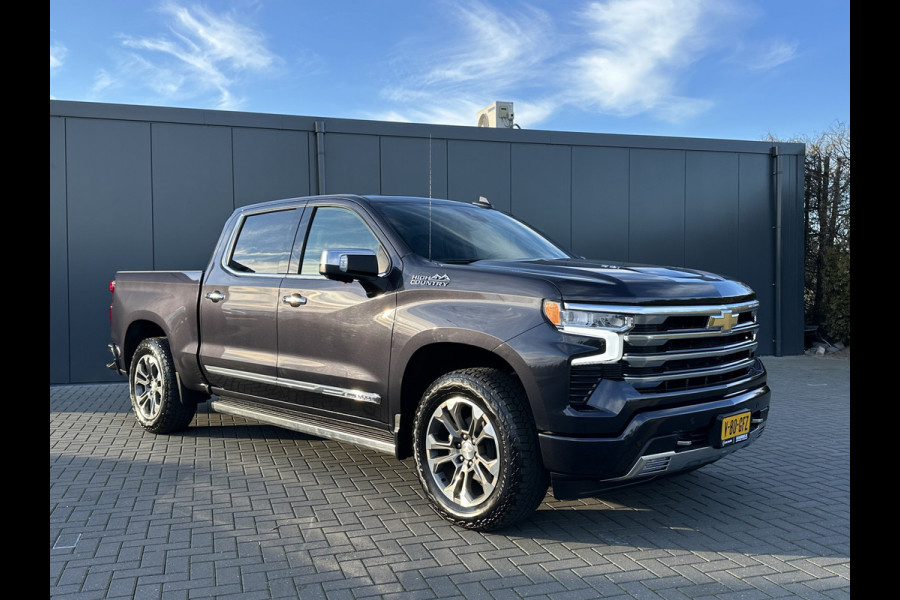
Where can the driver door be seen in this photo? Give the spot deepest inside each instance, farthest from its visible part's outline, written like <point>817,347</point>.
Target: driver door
<point>334,338</point>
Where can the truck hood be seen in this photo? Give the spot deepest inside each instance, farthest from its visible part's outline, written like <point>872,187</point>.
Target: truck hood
<point>580,280</point>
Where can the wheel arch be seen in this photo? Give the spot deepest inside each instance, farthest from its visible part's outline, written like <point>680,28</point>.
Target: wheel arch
<point>426,365</point>
<point>137,332</point>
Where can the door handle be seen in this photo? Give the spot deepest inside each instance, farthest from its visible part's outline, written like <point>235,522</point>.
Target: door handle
<point>215,296</point>
<point>294,300</point>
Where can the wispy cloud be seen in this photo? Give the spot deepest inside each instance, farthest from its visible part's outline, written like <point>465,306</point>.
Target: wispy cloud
<point>494,51</point>
<point>499,45</point>
<point>770,55</point>
<point>202,53</point>
<point>619,57</point>
<point>57,55</point>
<point>103,81</point>
<point>638,53</point>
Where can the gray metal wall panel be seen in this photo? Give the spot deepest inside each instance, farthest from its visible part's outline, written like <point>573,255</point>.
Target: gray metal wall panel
<point>414,167</point>
<point>600,203</point>
<point>109,229</point>
<point>352,164</point>
<point>59,277</point>
<point>756,240</point>
<point>193,192</point>
<point>615,197</point>
<point>270,164</point>
<point>479,169</point>
<point>792,232</point>
<point>656,211</point>
<point>711,219</point>
<point>541,189</point>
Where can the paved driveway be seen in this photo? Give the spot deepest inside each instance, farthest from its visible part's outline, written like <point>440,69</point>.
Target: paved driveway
<point>235,509</point>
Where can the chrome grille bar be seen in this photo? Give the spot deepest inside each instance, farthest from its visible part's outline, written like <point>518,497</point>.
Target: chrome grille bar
<point>667,311</point>
<point>652,360</point>
<point>687,374</point>
<point>656,339</point>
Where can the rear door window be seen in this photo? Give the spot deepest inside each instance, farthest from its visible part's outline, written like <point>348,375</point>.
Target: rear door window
<point>264,242</point>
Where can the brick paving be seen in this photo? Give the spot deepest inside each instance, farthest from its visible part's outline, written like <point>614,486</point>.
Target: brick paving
<point>236,509</point>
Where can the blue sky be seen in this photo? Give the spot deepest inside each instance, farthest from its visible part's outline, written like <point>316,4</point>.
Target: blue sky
<point>732,69</point>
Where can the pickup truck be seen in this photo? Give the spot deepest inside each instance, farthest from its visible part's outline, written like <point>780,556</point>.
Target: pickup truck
<point>454,334</point>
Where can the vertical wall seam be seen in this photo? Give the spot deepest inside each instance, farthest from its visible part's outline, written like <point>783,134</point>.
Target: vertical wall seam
<point>571,198</point>
<point>740,258</point>
<point>684,194</point>
<point>152,202</point>
<point>320,157</point>
<point>66,247</point>
<point>233,187</point>
<point>628,209</point>
<point>511,209</point>
<point>779,211</point>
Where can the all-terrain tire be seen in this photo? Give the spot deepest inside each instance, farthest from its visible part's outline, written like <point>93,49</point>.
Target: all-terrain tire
<point>476,449</point>
<point>158,400</point>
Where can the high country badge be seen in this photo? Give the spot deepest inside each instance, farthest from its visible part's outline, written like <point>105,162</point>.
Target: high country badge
<point>433,281</point>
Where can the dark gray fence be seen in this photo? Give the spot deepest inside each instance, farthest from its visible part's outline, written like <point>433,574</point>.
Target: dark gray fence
<point>134,187</point>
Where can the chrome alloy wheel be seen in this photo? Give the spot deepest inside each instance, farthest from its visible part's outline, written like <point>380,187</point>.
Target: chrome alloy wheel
<point>149,386</point>
<point>462,452</point>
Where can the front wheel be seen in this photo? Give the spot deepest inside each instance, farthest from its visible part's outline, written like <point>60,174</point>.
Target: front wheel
<point>159,402</point>
<point>476,449</point>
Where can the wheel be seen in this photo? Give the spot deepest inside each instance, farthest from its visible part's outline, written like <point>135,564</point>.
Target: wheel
<point>160,403</point>
<point>476,449</point>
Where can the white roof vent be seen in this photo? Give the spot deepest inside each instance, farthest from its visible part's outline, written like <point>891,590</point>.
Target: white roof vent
<point>497,114</point>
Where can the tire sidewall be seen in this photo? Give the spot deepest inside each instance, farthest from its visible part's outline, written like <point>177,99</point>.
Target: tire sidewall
<point>454,385</point>
<point>159,350</point>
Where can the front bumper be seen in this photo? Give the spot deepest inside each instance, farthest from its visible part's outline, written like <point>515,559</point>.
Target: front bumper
<point>655,443</point>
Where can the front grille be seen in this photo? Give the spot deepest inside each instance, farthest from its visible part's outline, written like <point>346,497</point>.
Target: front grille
<point>672,349</point>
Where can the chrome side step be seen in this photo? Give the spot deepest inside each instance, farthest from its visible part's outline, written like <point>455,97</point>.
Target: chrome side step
<point>323,427</point>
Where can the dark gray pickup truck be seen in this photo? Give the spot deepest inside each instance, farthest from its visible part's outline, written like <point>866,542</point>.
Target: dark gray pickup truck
<point>452,333</point>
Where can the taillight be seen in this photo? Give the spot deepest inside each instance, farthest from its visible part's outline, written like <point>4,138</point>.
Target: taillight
<point>112,290</point>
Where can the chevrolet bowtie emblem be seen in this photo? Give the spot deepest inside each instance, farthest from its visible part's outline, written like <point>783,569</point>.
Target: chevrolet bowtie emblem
<point>726,321</point>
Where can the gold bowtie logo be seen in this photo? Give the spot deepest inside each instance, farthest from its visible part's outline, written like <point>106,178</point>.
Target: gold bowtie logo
<point>726,321</point>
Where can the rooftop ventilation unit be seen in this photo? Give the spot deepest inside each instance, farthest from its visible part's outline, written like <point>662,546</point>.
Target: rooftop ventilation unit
<point>497,114</point>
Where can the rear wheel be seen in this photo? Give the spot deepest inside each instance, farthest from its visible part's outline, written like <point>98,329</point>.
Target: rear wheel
<point>159,402</point>
<point>476,449</point>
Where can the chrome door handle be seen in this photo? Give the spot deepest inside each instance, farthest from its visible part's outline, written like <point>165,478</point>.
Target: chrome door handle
<point>294,300</point>
<point>215,296</point>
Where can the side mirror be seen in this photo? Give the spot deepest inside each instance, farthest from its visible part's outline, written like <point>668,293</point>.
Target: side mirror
<point>349,264</point>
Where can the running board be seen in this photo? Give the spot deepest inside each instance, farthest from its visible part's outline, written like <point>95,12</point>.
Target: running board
<point>323,427</point>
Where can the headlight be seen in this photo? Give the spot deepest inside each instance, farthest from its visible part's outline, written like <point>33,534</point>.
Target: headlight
<point>577,321</point>
<point>608,326</point>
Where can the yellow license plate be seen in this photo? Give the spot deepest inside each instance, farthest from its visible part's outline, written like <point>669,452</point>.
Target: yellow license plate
<point>735,428</point>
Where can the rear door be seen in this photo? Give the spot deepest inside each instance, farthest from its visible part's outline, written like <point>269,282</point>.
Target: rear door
<point>334,338</point>
<point>239,303</point>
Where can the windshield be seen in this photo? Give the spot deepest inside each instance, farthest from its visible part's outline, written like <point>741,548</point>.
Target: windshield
<point>453,232</point>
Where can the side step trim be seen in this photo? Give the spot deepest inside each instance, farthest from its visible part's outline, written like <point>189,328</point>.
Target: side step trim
<point>317,388</point>
<point>297,422</point>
